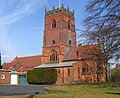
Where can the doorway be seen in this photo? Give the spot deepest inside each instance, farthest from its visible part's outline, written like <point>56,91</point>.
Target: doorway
<point>22,79</point>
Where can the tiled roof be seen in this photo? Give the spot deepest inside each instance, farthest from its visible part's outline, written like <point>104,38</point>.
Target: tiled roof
<point>26,63</point>
<point>57,65</point>
<point>6,65</point>
<point>89,51</point>
<point>71,54</point>
<point>83,52</point>
<point>29,61</point>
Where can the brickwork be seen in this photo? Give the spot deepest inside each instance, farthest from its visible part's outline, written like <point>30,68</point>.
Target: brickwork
<point>59,45</point>
<point>4,77</point>
<point>63,76</point>
<point>61,38</point>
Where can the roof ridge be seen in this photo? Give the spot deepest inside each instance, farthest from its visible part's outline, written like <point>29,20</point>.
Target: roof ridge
<point>29,56</point>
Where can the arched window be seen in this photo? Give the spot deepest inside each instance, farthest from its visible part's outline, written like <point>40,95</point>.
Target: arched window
<point>69,24</point>
<point>69,42</point>
<point>68,71</point>
<point>84,68</point>
<point>53,56</point>
<point>53,23</point>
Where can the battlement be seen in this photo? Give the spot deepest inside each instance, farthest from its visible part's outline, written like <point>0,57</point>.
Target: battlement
<point>59,10</point>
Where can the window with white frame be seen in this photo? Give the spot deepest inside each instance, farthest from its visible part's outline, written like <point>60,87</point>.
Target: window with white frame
<point>2,76</point>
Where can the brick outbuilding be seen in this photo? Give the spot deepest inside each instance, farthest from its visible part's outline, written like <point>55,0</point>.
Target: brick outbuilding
<point>4,76</point>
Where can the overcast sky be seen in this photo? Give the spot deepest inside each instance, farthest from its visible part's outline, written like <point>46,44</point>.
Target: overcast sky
<point>22,25</point>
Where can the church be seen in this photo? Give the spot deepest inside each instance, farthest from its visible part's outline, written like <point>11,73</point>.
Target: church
<point>74,62</point>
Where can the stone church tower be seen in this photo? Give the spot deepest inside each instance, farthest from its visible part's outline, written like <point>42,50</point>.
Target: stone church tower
<point>59,35</point>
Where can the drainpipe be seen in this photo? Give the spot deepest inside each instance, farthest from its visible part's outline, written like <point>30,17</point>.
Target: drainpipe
<point>63,75</point>
<point>60,58</point>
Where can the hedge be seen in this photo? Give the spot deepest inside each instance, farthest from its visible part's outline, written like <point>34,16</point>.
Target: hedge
<point>42,76</point>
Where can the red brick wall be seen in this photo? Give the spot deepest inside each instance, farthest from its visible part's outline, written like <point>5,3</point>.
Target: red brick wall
<point>60,19</point>
<point>61,34</point>
<point>63,75</point>
<point>91,75</point>
<point>61,31</point>
<point>76,75</point>
<point>6,80</point>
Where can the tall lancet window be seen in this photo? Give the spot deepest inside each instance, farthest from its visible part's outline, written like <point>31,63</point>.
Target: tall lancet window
<point>53,23</point>
<point>69,24</point>
<point>53,56</point>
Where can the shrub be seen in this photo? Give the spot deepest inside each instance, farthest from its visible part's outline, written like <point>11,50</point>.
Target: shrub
<point>42,76</point>
<point>115,77</point>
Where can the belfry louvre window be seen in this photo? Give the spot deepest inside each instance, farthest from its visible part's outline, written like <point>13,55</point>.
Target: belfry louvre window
<point>53,57</point>
<point>69,24</point>
<point>53,41</point>
<point>70,42</point>
<point>53,23</point>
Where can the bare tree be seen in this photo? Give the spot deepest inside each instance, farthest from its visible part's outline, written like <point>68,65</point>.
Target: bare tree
<point>93,54</point>
<point>103,27</point>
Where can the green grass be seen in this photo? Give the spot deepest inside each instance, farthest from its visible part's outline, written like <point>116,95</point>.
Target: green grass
<point>79,90</point>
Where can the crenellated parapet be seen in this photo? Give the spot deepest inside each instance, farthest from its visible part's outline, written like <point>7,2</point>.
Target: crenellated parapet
<point>59,10</point>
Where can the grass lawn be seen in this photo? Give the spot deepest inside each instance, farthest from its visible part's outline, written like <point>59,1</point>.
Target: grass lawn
<point>78,90</point>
